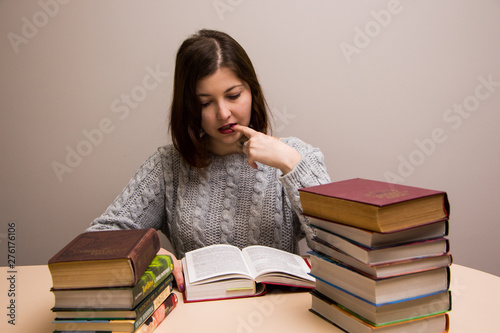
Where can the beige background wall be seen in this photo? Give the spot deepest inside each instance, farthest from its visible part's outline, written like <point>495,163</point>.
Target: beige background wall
<point>407,91</point>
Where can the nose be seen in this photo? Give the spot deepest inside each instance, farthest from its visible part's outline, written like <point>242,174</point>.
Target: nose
<point>223,111</point>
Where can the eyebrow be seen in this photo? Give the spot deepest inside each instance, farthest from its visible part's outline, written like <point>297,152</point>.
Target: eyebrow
<point>226,91</point>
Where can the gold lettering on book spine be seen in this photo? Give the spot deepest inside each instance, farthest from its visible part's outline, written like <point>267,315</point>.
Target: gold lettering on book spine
<point>99,252</point>
<point>148,285</point>
<point>387,194</point>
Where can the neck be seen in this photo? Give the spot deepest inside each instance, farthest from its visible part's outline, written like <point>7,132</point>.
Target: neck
<point>223,150</point>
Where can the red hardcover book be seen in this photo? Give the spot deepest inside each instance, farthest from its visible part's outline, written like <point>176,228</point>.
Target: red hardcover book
<point>115,258</point>
<point>159,315</point>
<point>374,205</point>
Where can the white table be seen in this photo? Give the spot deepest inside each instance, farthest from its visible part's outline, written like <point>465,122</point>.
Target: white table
<point>475,307</point>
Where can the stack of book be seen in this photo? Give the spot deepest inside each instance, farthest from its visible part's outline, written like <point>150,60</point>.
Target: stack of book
<point>112,281</point>
<point>380,256</point>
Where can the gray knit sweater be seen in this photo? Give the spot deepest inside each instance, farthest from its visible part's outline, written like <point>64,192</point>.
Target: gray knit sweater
<point>232,203</point>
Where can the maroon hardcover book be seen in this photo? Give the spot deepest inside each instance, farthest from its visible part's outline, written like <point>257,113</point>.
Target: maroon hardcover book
<point>374,205</point>
<point>111,256</point>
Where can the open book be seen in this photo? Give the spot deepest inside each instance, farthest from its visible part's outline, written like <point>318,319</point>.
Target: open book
<point>225,271</point>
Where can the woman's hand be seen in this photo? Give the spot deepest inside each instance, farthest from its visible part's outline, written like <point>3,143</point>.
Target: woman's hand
<point>267,150</point>
<point>177,272</point>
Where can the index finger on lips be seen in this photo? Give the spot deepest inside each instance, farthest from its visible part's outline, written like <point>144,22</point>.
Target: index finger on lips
<point>245,130</point>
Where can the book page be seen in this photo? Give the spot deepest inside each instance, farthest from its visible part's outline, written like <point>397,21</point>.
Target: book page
<point>263,259</point>
<point>215,260</point>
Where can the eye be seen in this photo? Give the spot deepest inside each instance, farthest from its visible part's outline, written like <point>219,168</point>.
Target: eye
<point>234,97</point>
<point>204,105</point>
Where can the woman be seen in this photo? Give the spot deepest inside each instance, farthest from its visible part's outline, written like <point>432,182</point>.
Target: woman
<point>223,180</point>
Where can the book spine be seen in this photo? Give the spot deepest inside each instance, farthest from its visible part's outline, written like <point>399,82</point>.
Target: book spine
<point>159,315</point>
<point>448,276</point>
<point>159,269</point>
<point>446,205</point>
<point>151,322</point>
<point>144,253</point>
<point>165,298</point>
<point>152,298</point>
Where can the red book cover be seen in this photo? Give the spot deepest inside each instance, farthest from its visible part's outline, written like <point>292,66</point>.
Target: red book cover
<point>374,205</point>
<point>371,192</point>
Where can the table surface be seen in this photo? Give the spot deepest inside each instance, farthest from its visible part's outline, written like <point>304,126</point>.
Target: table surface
<point>475,294</point>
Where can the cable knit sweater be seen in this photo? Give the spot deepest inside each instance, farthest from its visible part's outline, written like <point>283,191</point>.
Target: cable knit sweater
<point>230,203</point>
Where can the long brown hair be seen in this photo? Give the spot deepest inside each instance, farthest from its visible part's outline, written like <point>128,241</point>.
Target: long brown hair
<point>200,56</point>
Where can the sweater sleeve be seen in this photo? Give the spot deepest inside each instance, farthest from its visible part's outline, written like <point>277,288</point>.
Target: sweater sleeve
<point>141,204</point>
<point>310,171</point>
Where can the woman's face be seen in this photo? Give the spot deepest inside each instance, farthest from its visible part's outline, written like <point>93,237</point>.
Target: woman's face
<point>225,100</point>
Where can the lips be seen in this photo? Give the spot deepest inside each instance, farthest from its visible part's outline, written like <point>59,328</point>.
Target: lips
<point>226,129</point>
